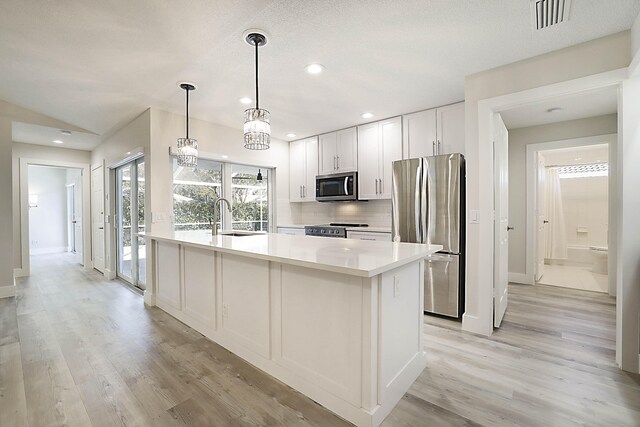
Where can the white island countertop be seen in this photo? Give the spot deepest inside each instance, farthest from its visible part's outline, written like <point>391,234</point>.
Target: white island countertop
<point>349,256</point>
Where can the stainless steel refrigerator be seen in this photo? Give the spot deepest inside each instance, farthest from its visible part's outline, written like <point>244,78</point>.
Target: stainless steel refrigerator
<point>428,206</point>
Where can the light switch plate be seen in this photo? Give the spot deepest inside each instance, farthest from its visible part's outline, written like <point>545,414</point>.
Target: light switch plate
<point>474,216</point>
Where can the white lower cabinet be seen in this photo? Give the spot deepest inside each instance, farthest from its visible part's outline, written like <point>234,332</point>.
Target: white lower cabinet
<point>369,235</point>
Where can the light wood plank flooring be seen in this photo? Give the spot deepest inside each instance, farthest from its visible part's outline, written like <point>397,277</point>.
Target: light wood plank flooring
<point>76,349</point>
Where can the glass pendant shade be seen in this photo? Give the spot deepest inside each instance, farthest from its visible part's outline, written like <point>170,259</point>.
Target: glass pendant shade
<point>257,129</point>
<point>187,152</point>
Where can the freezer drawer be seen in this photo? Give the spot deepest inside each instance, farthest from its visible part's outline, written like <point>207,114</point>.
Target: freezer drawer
<point>442,284</point>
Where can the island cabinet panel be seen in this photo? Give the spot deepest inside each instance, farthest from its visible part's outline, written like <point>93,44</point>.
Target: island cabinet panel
<point>320,318</point>
<point>400,341</point>
<point>244,305</point>
<point>168,275</point>
<point>199,285</point>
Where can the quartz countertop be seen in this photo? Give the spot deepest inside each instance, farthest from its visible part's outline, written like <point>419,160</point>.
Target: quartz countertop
<point>347,256</point>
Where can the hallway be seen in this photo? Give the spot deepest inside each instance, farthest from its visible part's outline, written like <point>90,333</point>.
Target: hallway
<point>78,349</point>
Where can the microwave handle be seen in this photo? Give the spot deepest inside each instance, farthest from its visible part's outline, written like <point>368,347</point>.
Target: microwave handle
<point>346,187</point>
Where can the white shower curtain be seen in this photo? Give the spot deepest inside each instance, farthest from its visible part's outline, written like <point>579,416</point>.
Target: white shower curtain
<point>555,234</point>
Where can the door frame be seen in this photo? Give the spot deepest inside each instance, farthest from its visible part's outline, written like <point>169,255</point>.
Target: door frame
<point>480,319</point>
<point>531,168</point>
<point>85,170</point>
<point>71,232</point>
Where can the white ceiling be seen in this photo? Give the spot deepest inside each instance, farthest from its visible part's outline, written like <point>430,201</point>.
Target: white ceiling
<point>43,135</point>
<point>98,64</point>
<point>576,106</point>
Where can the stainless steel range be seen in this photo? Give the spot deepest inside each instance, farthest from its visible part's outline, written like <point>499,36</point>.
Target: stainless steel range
<point>334,229</point>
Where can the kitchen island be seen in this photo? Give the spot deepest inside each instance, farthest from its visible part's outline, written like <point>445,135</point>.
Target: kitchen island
<point>339,320</point>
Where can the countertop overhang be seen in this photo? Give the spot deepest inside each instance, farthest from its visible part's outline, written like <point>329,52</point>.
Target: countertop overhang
<point>349,256</point>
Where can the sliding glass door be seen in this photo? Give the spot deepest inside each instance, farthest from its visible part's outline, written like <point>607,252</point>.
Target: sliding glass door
<point>130,252</point>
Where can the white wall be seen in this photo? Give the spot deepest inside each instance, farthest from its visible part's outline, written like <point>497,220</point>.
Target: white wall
<point>31,151</point>
<point>48,220</point>
<point>518,141</point>
<point>376,213</point>
<point>594,57</point>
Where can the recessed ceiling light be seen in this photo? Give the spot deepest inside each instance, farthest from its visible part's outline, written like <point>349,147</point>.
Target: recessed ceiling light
<point>314,68</point>
<point>57,141</point>
<point>246,100</point>
<point>128,152</point>
<point>554,110</point>
<point>367,115</point>
<point>65,132</point>
<point>224,156</point>
<point>291,135</point>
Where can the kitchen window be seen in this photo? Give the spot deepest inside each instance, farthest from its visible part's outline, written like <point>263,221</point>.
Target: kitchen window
<point>196,188</point>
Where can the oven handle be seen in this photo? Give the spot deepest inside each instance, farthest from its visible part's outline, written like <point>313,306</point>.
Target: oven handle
<point>346,187</point>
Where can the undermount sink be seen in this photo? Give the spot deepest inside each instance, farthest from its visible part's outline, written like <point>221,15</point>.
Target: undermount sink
<point>240,233</point>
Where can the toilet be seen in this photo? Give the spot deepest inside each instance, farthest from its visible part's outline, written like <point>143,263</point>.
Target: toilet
<point>600,257</point>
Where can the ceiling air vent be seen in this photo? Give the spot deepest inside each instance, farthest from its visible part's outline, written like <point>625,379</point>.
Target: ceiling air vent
<point>546,13</point>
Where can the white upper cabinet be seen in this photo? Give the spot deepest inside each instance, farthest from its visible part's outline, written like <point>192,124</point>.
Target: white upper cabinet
<point>451,129</point>
<point>432,132</point>
<point>303,168</point>
<point>338,152</point>
<point>379,145</point>
<point>419,134</point>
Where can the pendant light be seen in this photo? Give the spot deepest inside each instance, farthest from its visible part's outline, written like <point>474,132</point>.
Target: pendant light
<point>259,177</point>
<point>257,127</point>
<point>187,147</point>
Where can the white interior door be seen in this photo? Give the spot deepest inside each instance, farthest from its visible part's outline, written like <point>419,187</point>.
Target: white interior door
<point>77,217</point>
<point>501,221</point>
<point>97,217</point>
<point>541,219</point>
<point>71,222</point>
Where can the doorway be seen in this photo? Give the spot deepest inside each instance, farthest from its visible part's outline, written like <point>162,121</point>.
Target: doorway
<point>55,211</point>
<point>130,214</point>
<point>572,217</point>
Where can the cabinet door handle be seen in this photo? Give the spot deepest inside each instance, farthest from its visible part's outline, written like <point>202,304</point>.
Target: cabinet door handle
<point>439,150</point>
<point>338,161</point>
<point>380,181</point>
<point>304,191</point>
<point>300,191</point>
<point>433,147</point>
<point>376,185</point>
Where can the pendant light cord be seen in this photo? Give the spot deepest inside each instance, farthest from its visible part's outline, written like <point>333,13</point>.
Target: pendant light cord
<point>187,112</point>
<point>257,98</point>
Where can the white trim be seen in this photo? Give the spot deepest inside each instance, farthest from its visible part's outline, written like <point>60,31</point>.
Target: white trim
<point>18,272</point>
<point>482,319</point>
<point>24,207</point>
<point>531,150</point>
<point>521,278</point>
<point>125,158</point>
<point>7,291</point>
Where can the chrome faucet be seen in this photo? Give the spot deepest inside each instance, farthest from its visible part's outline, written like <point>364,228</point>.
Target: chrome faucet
<point>218,208</point>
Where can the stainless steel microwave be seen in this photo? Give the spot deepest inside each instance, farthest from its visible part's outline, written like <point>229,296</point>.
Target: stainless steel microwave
<point>337,187</point>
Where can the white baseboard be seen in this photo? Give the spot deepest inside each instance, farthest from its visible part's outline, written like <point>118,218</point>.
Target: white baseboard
<point>19,272</point>
<point>474,325</point>
<point>7,291</point>
<point>109,274</point>
<point>50,250</point>
<point>520,278</point>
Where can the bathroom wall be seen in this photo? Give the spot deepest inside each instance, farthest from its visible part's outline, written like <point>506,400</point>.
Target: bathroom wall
<point>48,220</point>
<point>585,203</point>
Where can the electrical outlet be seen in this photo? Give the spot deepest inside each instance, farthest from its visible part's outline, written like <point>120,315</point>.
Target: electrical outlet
<point>396,286</point>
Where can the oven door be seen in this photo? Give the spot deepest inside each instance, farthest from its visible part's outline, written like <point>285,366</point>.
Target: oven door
<point>336,187</point>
